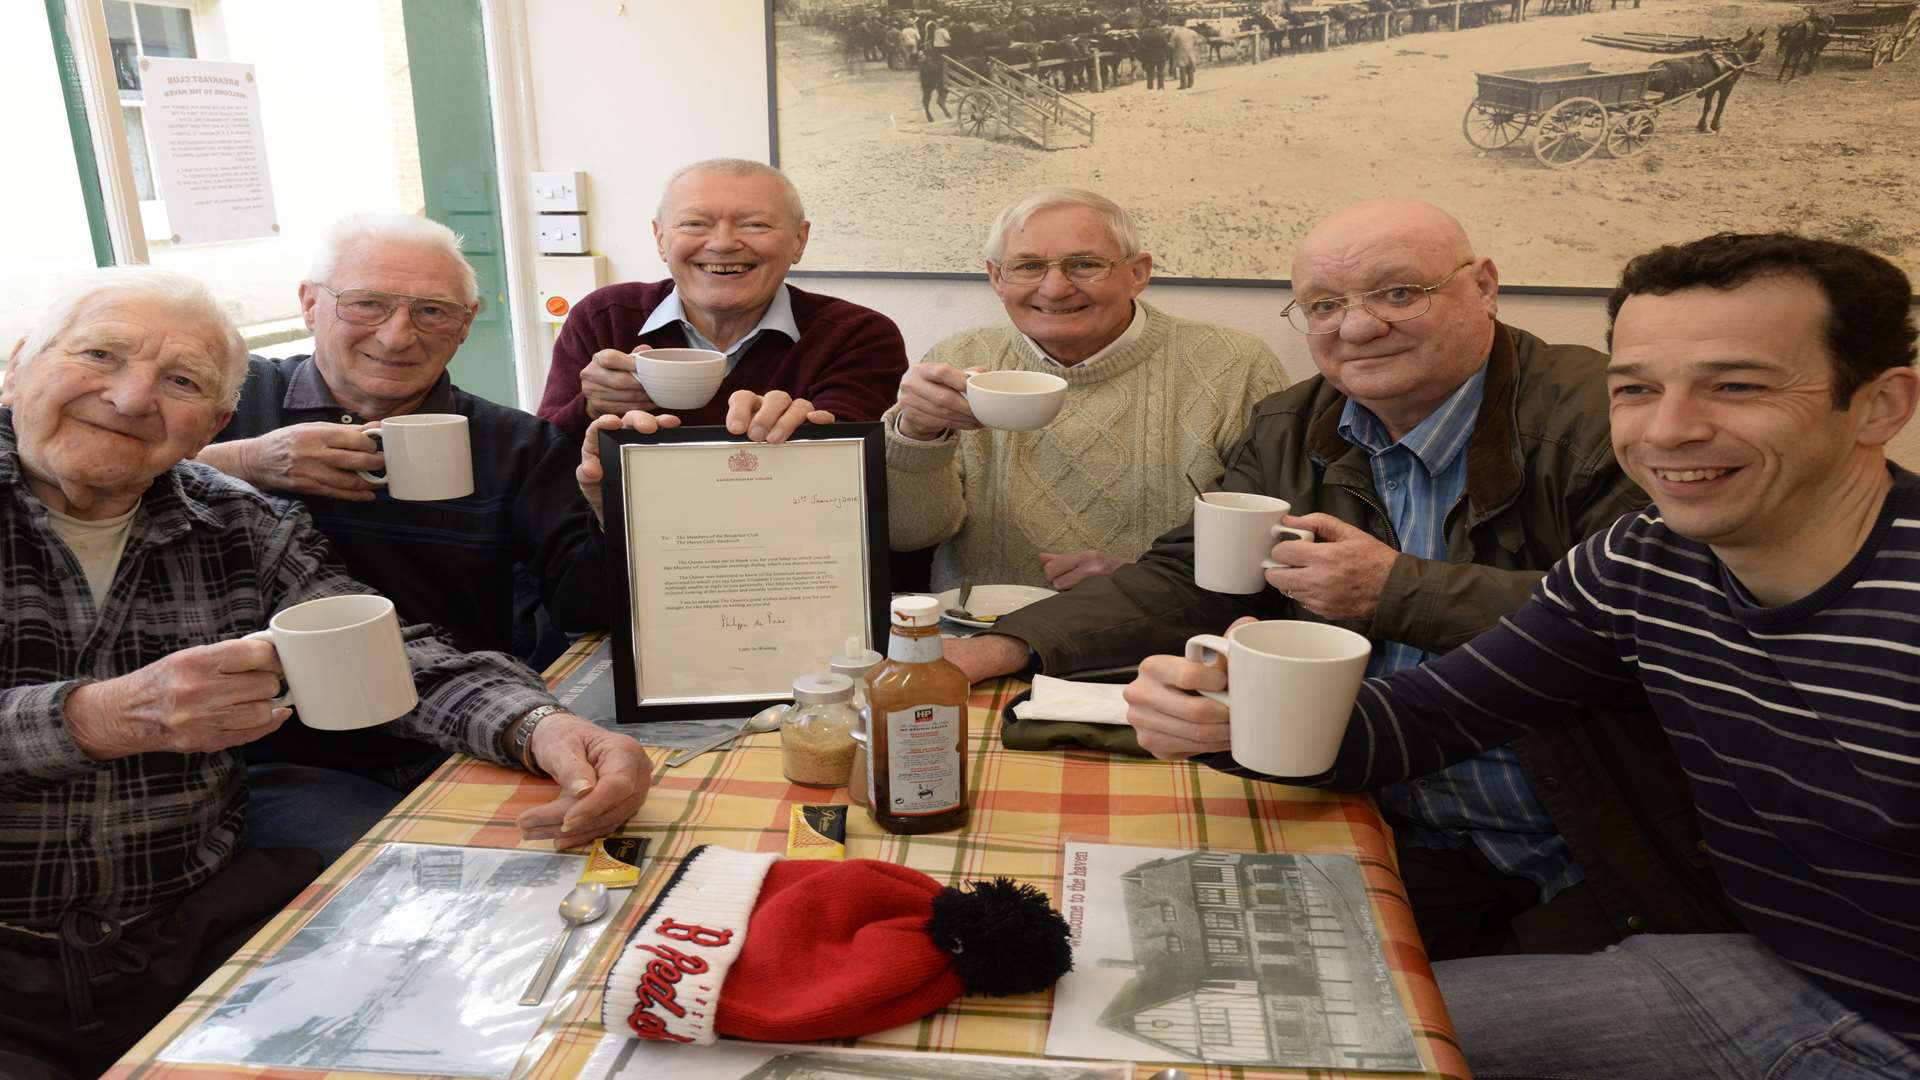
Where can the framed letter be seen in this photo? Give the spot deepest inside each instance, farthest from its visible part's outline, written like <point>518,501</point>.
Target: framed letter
<point>741,564</point>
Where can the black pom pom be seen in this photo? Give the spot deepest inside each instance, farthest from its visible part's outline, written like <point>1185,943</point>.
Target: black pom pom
<point>1005,937</point>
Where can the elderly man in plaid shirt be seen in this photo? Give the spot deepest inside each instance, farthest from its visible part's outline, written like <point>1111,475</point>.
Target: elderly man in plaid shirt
<point>130,575</point>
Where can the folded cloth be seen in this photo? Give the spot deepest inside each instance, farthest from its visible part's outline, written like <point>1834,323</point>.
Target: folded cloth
<point>1063,699</point>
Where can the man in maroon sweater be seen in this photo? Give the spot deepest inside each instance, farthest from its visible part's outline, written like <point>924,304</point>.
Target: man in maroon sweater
<point>728,231</point>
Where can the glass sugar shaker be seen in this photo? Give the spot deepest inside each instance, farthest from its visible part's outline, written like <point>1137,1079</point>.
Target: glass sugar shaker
<point>816,735</point>
<point>855,661</point>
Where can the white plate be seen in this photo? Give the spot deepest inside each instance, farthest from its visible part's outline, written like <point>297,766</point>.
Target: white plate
<point>994,600</point>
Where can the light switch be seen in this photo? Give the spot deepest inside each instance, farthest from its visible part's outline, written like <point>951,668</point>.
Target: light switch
<point>562,234</point>
<point>559,192</point>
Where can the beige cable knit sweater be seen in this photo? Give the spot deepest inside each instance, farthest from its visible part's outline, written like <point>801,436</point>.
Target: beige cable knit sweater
<point>1109,473</point>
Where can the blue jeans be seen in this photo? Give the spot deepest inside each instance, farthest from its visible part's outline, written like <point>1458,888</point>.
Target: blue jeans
<point>1659,1007</point>
<point>325,810</point>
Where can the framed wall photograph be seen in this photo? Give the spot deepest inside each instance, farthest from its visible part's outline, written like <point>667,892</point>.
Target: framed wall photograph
<point>1461,104</point>
<point>738,566</point>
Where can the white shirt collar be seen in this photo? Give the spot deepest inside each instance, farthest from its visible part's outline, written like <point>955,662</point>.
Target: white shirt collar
<point>1127,337</point>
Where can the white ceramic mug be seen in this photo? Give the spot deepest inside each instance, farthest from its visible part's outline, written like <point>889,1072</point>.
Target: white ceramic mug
<point>344,661</point>
<point>1015,400</point>
<point>1233,538</point>
<point>1290,690</point>
<point>429,457</point>
<point>680,378</point>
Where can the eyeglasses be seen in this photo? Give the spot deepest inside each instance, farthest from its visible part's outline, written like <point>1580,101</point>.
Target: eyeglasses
<point>370,307</point>
<point>1390,303</point>
<point>1079,269</point>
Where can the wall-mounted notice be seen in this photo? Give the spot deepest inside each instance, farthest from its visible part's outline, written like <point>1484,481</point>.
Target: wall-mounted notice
<point>209,149</point>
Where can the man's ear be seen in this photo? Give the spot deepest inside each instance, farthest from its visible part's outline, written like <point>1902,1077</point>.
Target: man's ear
<point>1885,404</point>
<point>309,300</point>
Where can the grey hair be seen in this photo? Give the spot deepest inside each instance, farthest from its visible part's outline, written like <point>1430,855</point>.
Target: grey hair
<point>355,229</point>
<point>1119,223</point>
<point>184,298</point>
<point>735,167</point>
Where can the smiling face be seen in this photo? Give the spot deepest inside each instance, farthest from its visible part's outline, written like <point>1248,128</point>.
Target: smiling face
<point>1071,321</point>
<point>1400,371</point>
<point>1722,411</point>
<point>384,370</point>
<point>118,399</point>
<point>728,241</point>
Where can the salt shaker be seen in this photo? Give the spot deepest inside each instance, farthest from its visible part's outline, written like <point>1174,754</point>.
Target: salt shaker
<point>855,661</point>
<point>816,735</point>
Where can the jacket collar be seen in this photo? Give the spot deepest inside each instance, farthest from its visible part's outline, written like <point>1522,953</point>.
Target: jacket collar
<point>1493,469</point>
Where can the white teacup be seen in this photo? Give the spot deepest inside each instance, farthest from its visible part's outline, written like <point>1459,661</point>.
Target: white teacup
<point>1015,400</point>
<point>1233,537</point>
<point>344,661</point>
<point>680,378</point>
<point>429,457</point>
<point>1290,690</point>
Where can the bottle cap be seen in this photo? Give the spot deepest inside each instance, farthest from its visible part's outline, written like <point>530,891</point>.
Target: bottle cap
<point>855,659</point>
<point>916,611</point>
<point>816,689</point>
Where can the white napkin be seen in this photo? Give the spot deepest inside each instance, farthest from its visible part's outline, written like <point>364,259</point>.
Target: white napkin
<point>1061,699</point>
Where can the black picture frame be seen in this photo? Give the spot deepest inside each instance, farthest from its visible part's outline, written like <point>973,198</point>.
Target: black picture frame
<point>628,706</point>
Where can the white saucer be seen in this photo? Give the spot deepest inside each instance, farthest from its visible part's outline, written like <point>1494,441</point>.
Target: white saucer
<point>993,600</point>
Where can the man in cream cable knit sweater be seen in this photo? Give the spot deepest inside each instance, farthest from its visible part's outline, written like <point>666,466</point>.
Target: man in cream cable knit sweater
<point>1152,400</point>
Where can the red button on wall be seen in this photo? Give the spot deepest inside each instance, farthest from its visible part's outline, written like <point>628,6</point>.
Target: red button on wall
<point>557,305</point>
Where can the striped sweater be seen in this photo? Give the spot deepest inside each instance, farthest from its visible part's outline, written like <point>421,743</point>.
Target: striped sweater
<point>1798,726</point>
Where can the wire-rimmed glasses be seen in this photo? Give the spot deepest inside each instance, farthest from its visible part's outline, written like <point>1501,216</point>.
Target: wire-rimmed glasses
<point>371,307</point>
<point>1389,303</point>
<point>1079,269</point>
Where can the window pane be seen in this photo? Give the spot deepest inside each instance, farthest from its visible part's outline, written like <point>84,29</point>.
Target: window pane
<point>165,31</point>
<point>126,56</point>
<point>135,118</point>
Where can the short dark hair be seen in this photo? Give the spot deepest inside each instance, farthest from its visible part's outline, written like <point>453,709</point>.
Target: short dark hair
<point>1869,329</point>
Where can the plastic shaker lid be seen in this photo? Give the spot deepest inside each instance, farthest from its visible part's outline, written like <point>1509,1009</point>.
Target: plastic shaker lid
<point>855,659</point>
<point>916,611</point>
<point>817,689</point>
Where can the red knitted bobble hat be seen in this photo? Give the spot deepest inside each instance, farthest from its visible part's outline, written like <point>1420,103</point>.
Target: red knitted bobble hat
<point>759,947</point>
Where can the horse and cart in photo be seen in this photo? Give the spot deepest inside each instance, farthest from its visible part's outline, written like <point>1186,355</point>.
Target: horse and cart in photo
<point>1885,32</point>
<point>1574,111</point>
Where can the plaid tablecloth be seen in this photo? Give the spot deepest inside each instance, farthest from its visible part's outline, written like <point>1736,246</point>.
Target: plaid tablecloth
<point>1024,805</point>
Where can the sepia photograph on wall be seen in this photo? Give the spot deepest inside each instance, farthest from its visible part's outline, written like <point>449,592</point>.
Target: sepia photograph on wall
<point>1565,134</point>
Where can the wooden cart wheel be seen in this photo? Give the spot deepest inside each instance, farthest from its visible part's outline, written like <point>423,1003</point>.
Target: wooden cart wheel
<point>1630,133</point>
<point>1570,132</point>
<point>976,112</point>
<point>1491,128</point>
<point>1882,51</point>
<point>1905,45</point>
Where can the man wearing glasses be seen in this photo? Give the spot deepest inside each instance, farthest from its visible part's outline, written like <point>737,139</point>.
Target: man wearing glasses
<point>1154,403</point>
<point>389,299</point>
<point>1443,460</point>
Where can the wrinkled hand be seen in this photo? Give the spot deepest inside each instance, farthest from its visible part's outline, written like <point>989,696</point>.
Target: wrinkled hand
<point>1169,716</point>
<point>933,401</point>
<point>1065,571</point>
<point>589,473</point>
<point>611,386</point>
<point>198,700</point>
<point>304,459</point>
<point>985,656</point>
<point>1340,576</point>
<point>772,418</point>
<point>603,778</point>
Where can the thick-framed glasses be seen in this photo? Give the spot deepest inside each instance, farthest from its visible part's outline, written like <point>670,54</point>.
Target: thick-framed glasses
<point>1079,269</point>
<point>1389,303</point>
<point>371,307</point>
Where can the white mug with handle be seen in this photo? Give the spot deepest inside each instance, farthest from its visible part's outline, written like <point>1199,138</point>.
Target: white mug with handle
<point>1233,535</point>
<point>1290,689</point>
<point>344,661</point>
<point>429,457</point>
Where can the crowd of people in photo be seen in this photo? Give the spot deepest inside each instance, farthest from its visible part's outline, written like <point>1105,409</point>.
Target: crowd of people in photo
<point>1643,706</point>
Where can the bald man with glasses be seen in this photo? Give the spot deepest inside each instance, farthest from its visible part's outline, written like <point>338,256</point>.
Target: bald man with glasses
<point>390,299</point>
<point>1443,461</point>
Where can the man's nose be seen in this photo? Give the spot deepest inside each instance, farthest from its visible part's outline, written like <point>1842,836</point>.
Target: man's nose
<point>1357,324</point>
<point>398,331</point>
<point>1057,283</point>
<point>723,237</point>
<point>1677,419</point>
<point>132,390</point>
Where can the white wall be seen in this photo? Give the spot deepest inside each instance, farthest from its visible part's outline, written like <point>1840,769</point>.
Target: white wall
<point>629,92</point>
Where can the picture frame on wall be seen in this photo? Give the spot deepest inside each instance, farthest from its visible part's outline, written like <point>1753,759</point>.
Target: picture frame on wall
<point>737,566</point>
<point>1295,110</point>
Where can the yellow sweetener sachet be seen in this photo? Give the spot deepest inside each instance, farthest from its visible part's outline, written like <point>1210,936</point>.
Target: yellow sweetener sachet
<point>817,832</point>
<point>615,861</point>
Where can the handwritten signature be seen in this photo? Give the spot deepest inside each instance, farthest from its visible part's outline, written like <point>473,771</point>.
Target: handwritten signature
<point>751,622</point>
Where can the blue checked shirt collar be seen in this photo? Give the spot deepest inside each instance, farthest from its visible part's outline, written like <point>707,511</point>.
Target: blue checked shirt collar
<point>1436,441</point>
<point>778,318</point>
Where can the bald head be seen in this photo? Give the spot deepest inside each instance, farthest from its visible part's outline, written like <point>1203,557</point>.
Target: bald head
<point>1429,324</point>
<point>1418,230</point>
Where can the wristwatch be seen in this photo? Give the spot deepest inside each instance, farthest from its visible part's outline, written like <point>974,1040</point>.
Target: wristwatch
<point>523,738</point>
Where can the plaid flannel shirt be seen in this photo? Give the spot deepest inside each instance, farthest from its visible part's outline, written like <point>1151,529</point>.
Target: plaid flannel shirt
<point>208,559</point>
